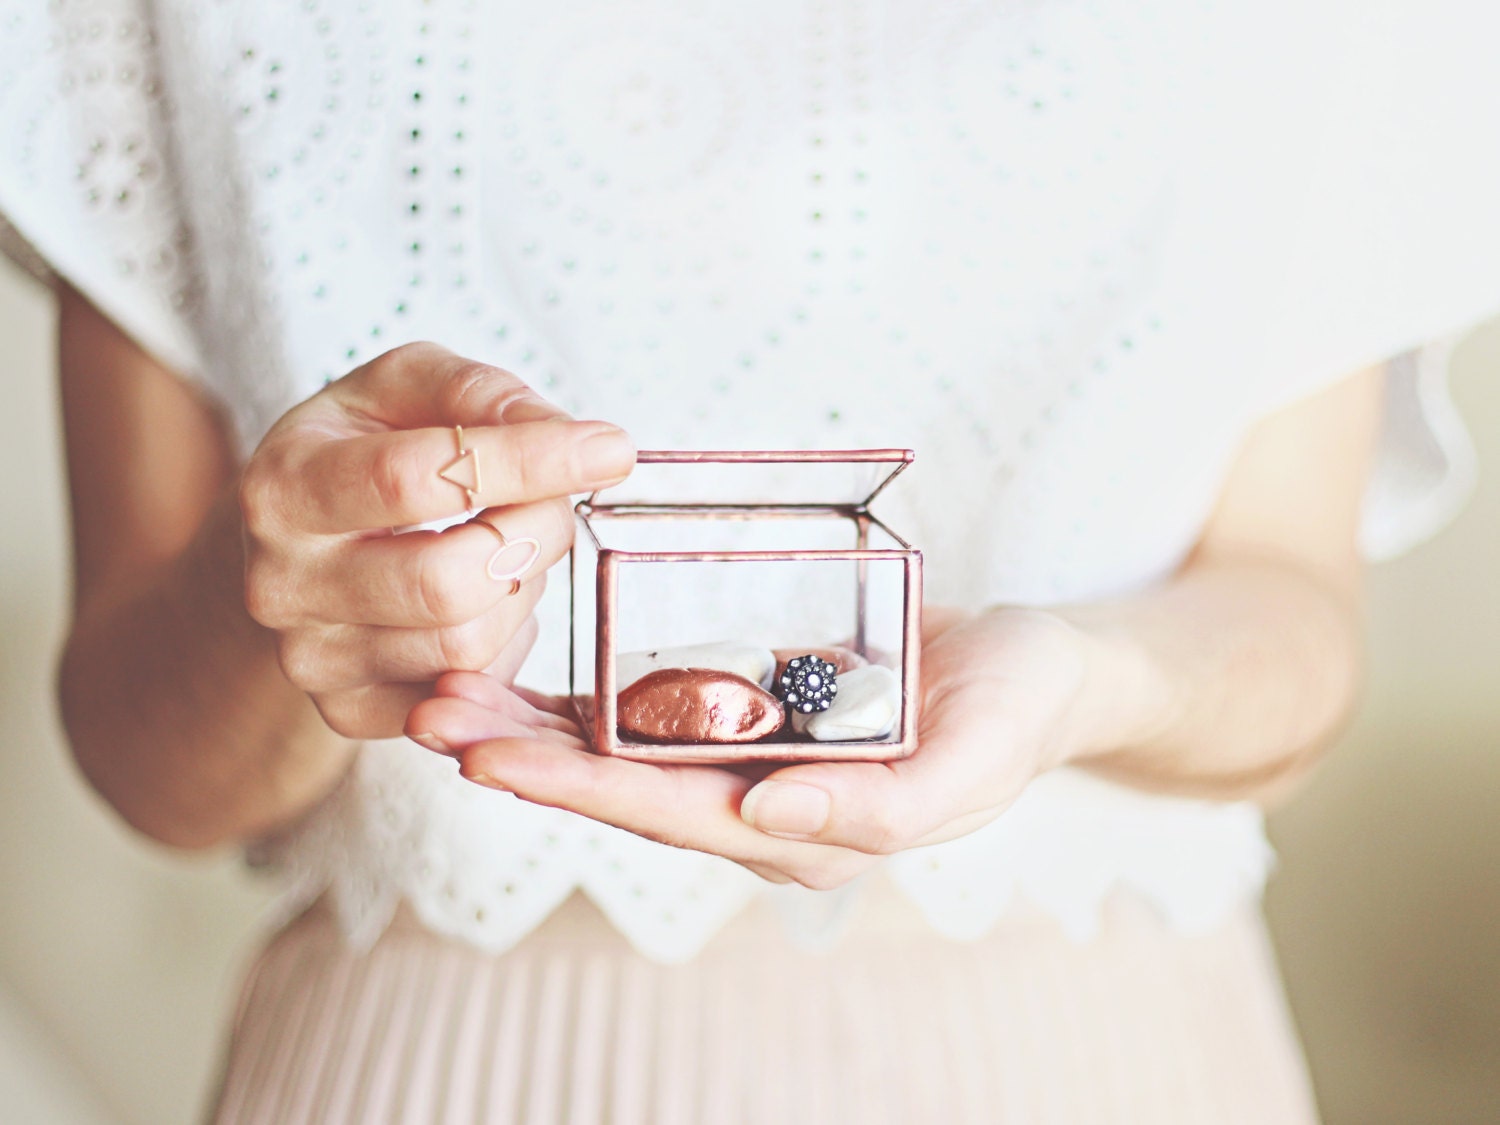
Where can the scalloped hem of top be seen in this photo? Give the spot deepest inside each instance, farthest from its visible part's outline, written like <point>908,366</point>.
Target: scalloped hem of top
<point>815,921</point>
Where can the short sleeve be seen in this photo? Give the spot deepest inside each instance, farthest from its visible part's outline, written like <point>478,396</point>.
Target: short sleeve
<point>1339,209</point>
<point>88,191</point>
<point>1425,467</point>
<point>1393,246</point>
<point>1393,240</point>
<point>1339,195</point>
<point>19,251</point>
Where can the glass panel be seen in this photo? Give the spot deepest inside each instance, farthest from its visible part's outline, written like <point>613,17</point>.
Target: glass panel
<point>845,477</point>
<point>798,605</point>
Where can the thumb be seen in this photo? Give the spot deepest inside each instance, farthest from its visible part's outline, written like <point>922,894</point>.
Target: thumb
<point>425,384</point>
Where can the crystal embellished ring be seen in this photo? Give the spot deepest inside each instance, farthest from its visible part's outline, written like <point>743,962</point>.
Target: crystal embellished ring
<point>808,684</point>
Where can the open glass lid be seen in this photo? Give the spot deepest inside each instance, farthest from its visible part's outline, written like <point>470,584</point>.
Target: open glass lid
<point>831,478</point>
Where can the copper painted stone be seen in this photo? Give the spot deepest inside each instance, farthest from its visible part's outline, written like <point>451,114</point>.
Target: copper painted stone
<point>697,705</point>
<point>753,662</point>
<point>842,659</point>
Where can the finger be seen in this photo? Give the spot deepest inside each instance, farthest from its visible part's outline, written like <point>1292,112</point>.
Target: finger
<point>693,807</point>
<point>377,711</point>
<point>342,657</point>
<point>488,690</point>
<point>450,726</point>
<point>884,807</point>
<point>424,579</point>
<point>769,874</point>
<point>394,478</point>
<point>457,688</point>
<point>682,806</point>
<point>506,666</point>
<point>560,705</point>
<point>425,384</point>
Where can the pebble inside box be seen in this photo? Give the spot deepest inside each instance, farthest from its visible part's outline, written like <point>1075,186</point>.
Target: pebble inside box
<point>746,606</point>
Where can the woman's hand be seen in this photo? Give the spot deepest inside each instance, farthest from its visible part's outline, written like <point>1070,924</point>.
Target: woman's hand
<point>1225,681</point>
<point>208,594</point>
<point>1003,698</point>
<point>365,619</point>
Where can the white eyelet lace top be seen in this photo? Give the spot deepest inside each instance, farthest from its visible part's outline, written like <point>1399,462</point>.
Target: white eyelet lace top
<point>1068,250</point>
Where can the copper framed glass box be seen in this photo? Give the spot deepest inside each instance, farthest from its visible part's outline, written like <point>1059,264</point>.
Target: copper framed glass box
<point>777,549</point>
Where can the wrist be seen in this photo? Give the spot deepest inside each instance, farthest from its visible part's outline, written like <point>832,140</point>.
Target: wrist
<point>1124,699</point>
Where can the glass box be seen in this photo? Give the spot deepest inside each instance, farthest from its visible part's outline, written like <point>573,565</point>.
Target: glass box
<point>774,550</point>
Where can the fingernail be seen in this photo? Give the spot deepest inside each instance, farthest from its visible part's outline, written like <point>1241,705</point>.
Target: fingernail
<point>606,457</point>
<point>432,742</point>
<point>785,808</point>
<point>486,780</point>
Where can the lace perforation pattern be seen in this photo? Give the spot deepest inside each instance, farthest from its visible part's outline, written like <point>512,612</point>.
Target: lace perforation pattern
<point>1044,243</point>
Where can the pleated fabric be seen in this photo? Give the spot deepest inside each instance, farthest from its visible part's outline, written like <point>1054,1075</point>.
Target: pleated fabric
<point>895,1024</point>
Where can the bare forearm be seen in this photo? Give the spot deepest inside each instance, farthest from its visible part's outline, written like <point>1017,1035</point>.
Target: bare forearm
<point>1226,682</point>
<point>177,709</point>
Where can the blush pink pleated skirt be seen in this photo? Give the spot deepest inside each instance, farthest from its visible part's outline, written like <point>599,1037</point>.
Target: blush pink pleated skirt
<point>894,1026</point>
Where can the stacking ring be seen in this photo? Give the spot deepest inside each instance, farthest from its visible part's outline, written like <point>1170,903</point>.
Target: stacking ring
<point>463,470</point>
<point>514,574</point>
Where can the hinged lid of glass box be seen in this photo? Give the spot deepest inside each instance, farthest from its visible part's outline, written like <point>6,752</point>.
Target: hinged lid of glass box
<point>847,479</point>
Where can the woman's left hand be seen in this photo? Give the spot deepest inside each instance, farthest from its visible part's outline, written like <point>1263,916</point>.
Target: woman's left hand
<point>1003,699</point>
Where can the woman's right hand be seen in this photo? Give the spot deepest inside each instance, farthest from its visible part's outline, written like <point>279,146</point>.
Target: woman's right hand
<point>366,619</point>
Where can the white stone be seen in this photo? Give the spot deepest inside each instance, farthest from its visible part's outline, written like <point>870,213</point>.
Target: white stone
<point>866,706</point>
<point>751,661</point>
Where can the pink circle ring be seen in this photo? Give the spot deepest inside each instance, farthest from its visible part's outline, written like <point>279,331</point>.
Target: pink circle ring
<point>513,573</point>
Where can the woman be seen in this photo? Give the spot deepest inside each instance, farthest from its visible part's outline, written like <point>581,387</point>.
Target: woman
<point>1144,398</point>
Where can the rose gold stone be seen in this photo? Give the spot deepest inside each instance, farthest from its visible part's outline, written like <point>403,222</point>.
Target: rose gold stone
<point>842,659</point>
<point>697,705</point>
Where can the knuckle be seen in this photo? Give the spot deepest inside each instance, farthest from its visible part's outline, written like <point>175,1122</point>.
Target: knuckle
<point>303,659</point>
<point>364,713</point>
<point>392,473</point>
<point>400,361</point>
<point>257,497</point>
<point>769,874</point>
<point>466,647</point>
<point>470,383</point>
<point>415,351</point>
<point>439,598</point>
<point>265,597</point>
<point>342,714</point>
<point>825,875</point>
<point>561,523</point>
<point>507,392</point>
<point>818,880</point>
<point>885,832</point>
<point>471,391</point>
